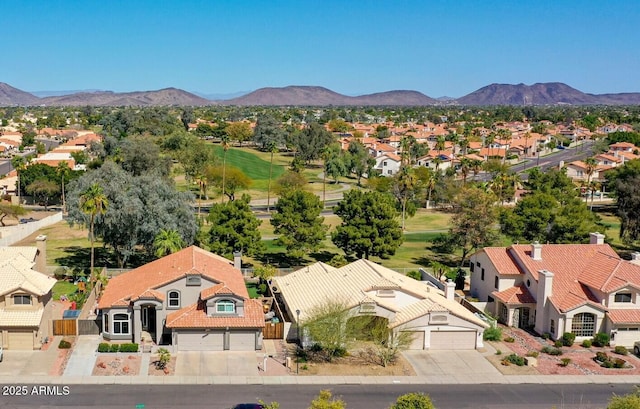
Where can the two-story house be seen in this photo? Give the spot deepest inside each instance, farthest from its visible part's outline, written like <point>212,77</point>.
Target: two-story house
<point>25,295</point>
<point>192,299</point>
<point>558,288</point>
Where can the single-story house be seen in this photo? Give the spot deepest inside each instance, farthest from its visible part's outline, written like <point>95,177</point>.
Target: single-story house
<point>558,288</point>
<point>192,299</point>
<point>434,318</point>
<point>25,295</point>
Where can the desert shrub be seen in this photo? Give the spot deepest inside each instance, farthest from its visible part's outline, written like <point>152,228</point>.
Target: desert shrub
<point>492,334</point>
<point>546,335</point>
<point>558,343</point>
<point>262,288</point>
<point>619,363</point>
<point>607,364</point>
<point>568,338</point>
<point>509,339</point>
<point>130,347</point>
<point>586,343</point>
<point>551,350</point>
<point>498,352</point>
<point>565,361</point>
<point>601,357</point>
<point>601,339</point>
<point>413,401</point>
<point>515,359</point>
<point>103,347</point>
<point>620,350</point>
<point>114,348</point>
<point>415,274</point>
<point>533,354</point>
<point>64,344</point>
<point>164,356</point>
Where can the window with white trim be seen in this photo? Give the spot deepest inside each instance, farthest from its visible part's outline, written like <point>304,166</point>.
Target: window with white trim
<point>173,299</point>
<point>622,297</point>
<point>225,307</point>
<point>121,324</point>
<point>583,324</point>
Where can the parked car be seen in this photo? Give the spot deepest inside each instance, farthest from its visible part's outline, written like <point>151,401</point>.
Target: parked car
<point>1,353</point>
<point>24,221</point>
<point>248,406</point>
<point>636,348</point>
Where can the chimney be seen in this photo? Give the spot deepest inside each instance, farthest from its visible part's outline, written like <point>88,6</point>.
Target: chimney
<point>536,251</point>
<point>449,290</point>
<point>596,238</point>
<point>41,255</point>
<point>237,260</point>
<point>545,289</point>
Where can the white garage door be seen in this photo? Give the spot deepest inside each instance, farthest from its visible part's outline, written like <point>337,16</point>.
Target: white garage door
<point>20,340</point>
<point>627,336</point>
<point>417,340</point>
<point>453,340</point>
<point>243,341</point>
<point>200,341</point>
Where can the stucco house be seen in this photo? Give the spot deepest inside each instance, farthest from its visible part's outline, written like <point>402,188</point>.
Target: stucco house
<point>434,318</point>
<point>25,295</point>
<point>558,288</point>
<point>192,299</point>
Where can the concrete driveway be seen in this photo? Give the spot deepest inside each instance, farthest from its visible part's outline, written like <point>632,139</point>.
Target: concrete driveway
<point>227,363</point>
<point>458,365</point>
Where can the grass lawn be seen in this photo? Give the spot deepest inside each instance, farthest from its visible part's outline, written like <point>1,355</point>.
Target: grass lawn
<point>254,166</point>
<point>252,288</point>
<point>63,287</point>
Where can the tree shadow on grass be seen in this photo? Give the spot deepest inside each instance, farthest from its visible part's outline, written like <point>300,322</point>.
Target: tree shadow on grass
<point>279,259</point>
<point>80,258</point>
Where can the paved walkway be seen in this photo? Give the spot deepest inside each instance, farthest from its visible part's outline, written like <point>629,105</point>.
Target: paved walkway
<point>83,356</point>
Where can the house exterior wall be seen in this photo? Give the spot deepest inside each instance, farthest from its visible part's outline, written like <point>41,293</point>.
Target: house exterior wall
<point>482,288</point>
<point>600,323</point>
<point>435,321</point>
<point>609,299</point>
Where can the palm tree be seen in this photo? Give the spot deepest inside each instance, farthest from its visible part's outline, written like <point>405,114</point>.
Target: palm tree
<point>19,164</point>
<point>440,144</point>
<point>590,167</point>
<point>63,170</point>
<point>272,148</point>
<point>224,140</point>
<point>93,202</point>
<point>167,242</point>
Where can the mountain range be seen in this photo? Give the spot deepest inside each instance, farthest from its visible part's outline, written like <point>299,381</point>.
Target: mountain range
<point>552,93</point>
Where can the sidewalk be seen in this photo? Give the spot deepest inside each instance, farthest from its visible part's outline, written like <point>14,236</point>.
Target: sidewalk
<point>82,357</point>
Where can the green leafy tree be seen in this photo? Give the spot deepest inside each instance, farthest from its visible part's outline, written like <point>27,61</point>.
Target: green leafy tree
<point>290,181</point>
<point>388,342</point>
<point>11,211</point>
<point>141,155</point>
<point>94,203</point>
<point>80,157</point>
<point>167,242</point>
<point>369,225</point>
<point>360,162</point>
<point>473,222</point>
<point>334,164</point>
<point>268,132</point>
<point>298,222</point>
<point>44,192</point>
<point>624,181</point>
<point>194,157</point>
<point>629,401</point>
<point>311,142</point>
<point>234,227</point>
<point>331,328</point>
<point>239,132</point>
<point>413,401</point>
<point>325,400</point>
<point>229,182</point>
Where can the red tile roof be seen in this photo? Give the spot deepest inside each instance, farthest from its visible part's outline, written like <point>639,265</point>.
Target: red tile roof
<point>515,295</point>
<point>194,316</point>
<point>193,260</point>
<point>624,316</point>
<point>502,259</point>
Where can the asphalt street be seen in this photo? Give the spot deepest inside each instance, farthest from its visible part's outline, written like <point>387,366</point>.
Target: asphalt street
<point>530,396</point>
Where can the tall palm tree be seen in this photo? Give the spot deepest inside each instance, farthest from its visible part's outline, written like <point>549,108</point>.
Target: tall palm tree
<point>272,147</point>
<point>590,168</point>
<point>93,202</point>
<point>63,171</point>
<point>224,140</point>
<point>19,164</point>
<point>167,242</point>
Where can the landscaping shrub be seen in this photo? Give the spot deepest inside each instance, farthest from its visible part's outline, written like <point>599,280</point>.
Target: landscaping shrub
<point>619,363</point>
<point>551,350</point>
<point>114,348</point>
<point>492,334</point>
<point>601,357</point>
<point>586,343</point>
<point>606,361</point>
<point>601,339</point>
<point>64,344</point>
<point>546,335</point>
<point>262,289</point>
<point>533,354</point>
<point>103,347</point>
<point>558,343</point>
<point>498,352</point>
<point>568,338</point>
<point>509,339</point>
<point>130,347</point>
<point>515,359</point>
<point>565,361</point>
<point>620,350</point>
<point>415,274</point>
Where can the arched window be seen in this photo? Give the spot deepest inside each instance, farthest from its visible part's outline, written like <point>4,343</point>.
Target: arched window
<point>225,307</point>
<point>173,299</point>
<point>121,324</point>
<point>583,324</point>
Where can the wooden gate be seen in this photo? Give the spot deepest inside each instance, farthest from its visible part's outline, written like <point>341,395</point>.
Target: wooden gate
<point>64,327</point>
<point>273,331</point>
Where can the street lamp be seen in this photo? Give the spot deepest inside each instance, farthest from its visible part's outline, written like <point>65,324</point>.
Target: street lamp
<point>299,342</point>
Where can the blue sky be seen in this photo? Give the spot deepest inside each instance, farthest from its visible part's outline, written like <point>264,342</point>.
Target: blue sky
<point>353,47</point>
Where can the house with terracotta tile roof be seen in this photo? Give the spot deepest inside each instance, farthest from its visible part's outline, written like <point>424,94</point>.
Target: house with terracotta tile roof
<point>558,288</point>
<point>433,317</point>
<point>25,297</point>
<point>193,299</point>
<point>388,164</point>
